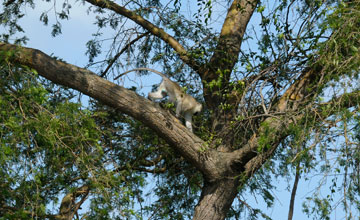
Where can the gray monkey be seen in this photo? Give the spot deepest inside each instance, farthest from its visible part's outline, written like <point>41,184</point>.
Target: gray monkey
<point>185,104</point>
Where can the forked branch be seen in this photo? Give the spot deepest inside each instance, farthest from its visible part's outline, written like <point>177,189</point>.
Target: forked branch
<point>128,102</point>
<point>153,29</point>
<point>69,206</point>
<point>231,37</point>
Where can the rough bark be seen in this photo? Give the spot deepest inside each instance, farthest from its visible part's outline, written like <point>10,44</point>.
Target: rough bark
<point>126,101</point>
<point>69,206</point>
<point>221,64</point>
<point>213,164</point>
<point>228,48</point>
<point>216,199</point>
<point>230,39</point>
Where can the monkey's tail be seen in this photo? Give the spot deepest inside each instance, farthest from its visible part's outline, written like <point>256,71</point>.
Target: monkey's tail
<point>141,68</point>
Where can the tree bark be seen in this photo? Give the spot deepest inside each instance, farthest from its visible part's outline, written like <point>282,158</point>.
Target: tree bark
<point>69,206</point>
<point>223,99</point>
<point>124,100</point>
<point>216,199</point>
<point>211,163</point>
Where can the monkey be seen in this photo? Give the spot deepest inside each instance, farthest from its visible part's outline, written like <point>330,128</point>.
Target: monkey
<point>186,105</point>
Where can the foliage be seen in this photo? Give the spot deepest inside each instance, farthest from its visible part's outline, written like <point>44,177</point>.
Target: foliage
<point>49,148</point>
<point>52,145</point>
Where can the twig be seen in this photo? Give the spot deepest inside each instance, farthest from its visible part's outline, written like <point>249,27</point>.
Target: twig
<point>121,52</point>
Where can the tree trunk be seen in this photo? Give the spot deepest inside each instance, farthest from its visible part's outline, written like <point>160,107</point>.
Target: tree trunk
<point>216,199</point>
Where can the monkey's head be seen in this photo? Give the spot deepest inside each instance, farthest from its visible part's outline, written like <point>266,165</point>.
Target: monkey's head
<point>197,108</point>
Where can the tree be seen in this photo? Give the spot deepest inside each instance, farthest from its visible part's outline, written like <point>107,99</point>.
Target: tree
<point>271,111</point>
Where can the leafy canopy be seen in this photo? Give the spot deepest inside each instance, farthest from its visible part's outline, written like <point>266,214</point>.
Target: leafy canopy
<point>53,143</point>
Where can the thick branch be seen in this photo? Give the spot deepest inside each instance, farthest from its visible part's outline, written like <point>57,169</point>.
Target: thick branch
<point>253,159</point>
<point>256,152</point>
<point>221,64</point>
<point>159,32</point>
<point>69,206</point>
<point>298,90</point>
<point>274,129</point>
<point>250,155</point>
<point>216,199</point>
<point>231,37</point>
<point>166,125</point>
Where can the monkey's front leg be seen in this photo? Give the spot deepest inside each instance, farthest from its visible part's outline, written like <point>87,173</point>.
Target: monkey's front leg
<point>188,121</point>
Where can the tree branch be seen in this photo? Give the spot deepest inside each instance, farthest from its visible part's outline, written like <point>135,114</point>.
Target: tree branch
<point>298,90</point>
<point>293,192</point>
<point>220,66</point>
<point>159,32</point>
<point>231,37</point>
<point>121,52</point>
<point>143,164</point>
<point>161,121</point>
<point>256,152</point>
<point>69,207</point>
<point>346,100</point>
<point>254,159</point>
<point>274,129</point>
